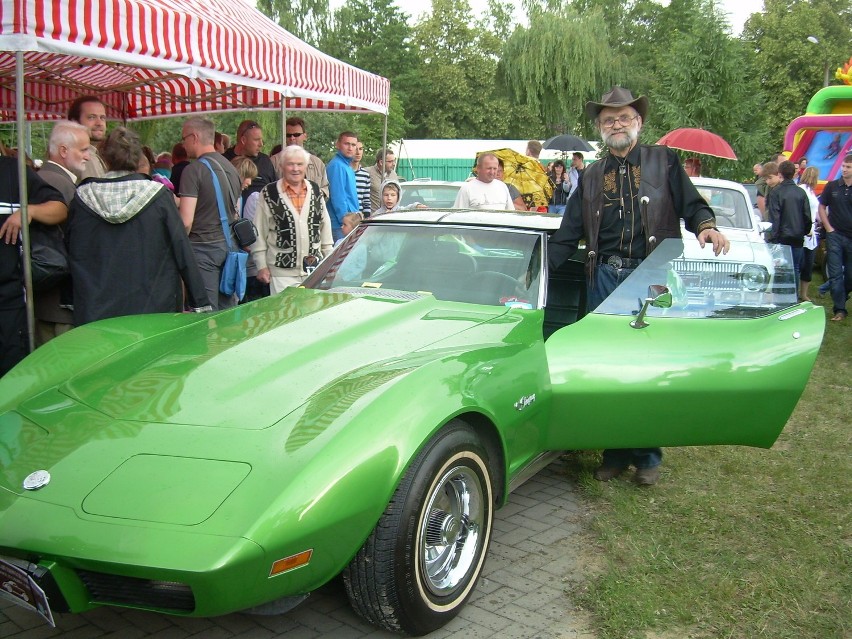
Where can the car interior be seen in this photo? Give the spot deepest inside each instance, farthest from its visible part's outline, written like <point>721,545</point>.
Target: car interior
<point>462,265</point>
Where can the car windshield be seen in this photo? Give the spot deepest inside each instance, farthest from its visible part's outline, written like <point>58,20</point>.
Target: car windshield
<point>493,266</point>
<point>435,196</point>
<point>731,206</point>
<point>752,280</point>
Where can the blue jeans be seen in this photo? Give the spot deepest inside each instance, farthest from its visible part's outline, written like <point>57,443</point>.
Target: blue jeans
<point>839,269</point>
<point>639,457</point>
<point>798,256</point>
<point>607,278</point>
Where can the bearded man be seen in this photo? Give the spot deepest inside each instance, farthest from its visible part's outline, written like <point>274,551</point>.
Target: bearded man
<point>91,113</point>
<point>605,210</point>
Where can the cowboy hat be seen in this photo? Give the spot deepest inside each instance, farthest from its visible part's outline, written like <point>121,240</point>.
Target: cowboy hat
<point>618,97</point>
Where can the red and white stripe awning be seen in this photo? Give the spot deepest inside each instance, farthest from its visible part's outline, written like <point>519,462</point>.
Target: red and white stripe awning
<point>154,58</point>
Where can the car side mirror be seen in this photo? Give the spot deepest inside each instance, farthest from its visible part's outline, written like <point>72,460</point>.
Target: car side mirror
<point>659,296</point>
<point>763,227</point>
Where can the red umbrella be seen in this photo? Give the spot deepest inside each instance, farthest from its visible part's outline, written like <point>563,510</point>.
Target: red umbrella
<point>698,141</point>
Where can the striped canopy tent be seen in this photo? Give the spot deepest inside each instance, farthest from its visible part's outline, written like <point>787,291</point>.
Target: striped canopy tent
<point>155,58</point>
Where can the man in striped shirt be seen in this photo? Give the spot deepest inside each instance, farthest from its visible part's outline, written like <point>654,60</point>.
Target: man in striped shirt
<point>362,180</point>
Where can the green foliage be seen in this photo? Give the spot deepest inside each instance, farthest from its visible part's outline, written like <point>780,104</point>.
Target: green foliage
<point>456,94</point>
<point>789,68</point>
<point>373,35</point>
<point>308,20</point>
<point>700,85</point>
<point>557,63</point>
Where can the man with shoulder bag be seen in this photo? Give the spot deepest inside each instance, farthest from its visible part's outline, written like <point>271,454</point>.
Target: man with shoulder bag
<point>200,208</point>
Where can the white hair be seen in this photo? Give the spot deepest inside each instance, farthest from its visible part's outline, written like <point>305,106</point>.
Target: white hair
<point>288,152</point>
<point>64,133</point>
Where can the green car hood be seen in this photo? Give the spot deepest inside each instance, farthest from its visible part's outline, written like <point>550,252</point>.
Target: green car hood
<point>133,435</point>
<point>254,365</point>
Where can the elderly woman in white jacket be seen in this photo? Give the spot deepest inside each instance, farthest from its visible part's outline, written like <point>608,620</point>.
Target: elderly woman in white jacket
<point>293,227</point>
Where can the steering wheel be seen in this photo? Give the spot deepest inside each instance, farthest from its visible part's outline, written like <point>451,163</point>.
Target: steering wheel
<point>489,287</point>
<point>728,216</point>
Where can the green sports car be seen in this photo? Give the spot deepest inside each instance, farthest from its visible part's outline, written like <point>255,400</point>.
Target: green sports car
<point>370,422</point>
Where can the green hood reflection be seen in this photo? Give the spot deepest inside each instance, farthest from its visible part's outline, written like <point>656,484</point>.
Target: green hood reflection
<point>262,360</point>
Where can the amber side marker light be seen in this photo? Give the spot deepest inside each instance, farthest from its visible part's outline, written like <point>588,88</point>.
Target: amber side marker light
<point>291,563</point>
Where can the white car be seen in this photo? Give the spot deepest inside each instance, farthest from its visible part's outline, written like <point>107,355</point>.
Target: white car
<point>735,216</point>
<point>436,194</point>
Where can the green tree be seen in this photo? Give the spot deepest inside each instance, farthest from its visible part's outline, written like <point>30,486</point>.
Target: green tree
<point>373,35</point>
<point>456,92</point>
<point>699,84</point>
<point>557,63</point>
<point>308,20</point>
<point>789,68</point>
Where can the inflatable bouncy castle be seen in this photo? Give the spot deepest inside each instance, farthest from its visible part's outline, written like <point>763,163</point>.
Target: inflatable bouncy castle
<point>824,133</point>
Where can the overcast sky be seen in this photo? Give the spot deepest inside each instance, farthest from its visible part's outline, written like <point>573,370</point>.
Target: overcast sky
<point>738,10</point>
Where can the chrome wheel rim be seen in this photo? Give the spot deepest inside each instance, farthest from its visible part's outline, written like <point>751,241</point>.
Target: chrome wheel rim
<point>451,530</point>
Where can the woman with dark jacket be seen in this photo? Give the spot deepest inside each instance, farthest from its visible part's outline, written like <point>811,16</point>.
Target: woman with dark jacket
<point>561,188</point>
<point>128,249</point>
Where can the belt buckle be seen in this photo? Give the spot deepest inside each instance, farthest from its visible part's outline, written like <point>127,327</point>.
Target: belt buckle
<point>614,261</point>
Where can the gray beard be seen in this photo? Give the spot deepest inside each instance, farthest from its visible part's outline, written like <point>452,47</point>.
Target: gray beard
<point>620,144</point>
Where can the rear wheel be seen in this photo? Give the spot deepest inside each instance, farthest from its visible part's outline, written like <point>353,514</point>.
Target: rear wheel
<point>421,562</point>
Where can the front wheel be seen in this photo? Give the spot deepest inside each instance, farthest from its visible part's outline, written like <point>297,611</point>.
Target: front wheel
<point>422,561</point>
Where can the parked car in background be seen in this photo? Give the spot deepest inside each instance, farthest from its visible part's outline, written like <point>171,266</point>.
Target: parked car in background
<point>435,194</point>
<point>369,423</point>
<point>731,204</point>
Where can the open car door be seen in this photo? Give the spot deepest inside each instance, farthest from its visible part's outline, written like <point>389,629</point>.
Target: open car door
<point>720,356</point>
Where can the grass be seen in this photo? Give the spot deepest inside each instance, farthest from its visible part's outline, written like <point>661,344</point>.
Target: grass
<point>734,541</point>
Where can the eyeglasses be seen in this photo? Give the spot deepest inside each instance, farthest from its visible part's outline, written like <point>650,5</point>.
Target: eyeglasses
<point>249,127</point>
<point>183,138</point>
<point>623,120</point>
<point>295,135</point>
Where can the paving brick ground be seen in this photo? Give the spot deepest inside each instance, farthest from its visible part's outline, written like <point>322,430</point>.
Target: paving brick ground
<point>535,557</point>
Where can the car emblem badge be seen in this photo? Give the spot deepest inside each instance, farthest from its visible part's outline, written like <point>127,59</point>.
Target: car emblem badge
<point>523,402</point>
<point>36,480</point>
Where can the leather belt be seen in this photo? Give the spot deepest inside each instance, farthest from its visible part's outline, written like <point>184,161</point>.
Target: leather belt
<point>616,261</point>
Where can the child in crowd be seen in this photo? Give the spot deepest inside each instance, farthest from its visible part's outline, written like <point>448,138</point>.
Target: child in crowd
<point>146,167</point>
<point>247,170</point>
<point>349,223</point>
<point>163,165</point>
<point>390,199</point>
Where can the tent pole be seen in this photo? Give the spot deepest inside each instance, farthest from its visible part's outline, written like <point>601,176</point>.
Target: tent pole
<point>385,141</point>
<point>283,122</point>
<point>23,197</point>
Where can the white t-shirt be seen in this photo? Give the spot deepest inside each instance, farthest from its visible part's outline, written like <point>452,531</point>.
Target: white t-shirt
<point>476,194</point>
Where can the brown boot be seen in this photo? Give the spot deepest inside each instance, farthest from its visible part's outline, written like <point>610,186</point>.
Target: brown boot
<point>647,476</point>
<point>605,473</point>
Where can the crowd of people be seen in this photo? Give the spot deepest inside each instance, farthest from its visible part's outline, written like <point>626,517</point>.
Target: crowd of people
<point>786,198</point>
<point>139,233</point>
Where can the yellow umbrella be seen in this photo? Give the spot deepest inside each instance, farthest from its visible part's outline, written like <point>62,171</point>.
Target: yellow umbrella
<point>527,175</point>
